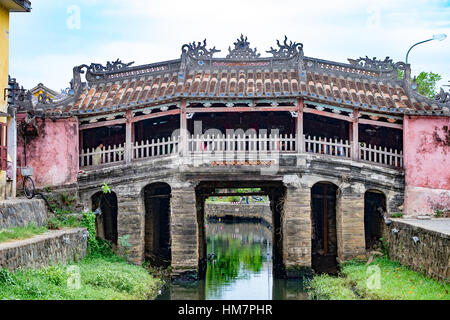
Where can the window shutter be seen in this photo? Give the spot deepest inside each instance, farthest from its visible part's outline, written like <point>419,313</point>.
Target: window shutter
<point>3,146</point>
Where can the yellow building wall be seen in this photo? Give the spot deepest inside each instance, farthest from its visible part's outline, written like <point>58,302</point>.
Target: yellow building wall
<point>4,64</point>
<point>4,54</point>
<point>37,93</point>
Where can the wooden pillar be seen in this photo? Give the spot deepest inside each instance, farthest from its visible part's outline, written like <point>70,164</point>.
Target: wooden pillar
<point>354,136</point>
<point>80,133</point>
<point>128,138</point>
<point>183,130</point>
<point>299,128</point>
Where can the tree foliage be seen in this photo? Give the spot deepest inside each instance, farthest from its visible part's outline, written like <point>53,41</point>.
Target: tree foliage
<point>427,83</point>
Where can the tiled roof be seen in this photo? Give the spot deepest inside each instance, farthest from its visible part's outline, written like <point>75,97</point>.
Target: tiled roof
<point>364,83</point>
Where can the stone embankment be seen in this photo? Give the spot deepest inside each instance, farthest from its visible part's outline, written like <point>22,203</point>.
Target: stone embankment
<point>422,245</point>
<point>53,247</point>
<point>22,212</point>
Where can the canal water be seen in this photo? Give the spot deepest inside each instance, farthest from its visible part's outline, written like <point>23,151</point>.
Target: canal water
<point>239,268</point>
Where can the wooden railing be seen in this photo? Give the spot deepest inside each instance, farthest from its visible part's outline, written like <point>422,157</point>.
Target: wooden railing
<point>242,143</point>
<point>158,148</point>
<point>328,146</point>
<point>381,155</point>
<point>198,144</point>
<point>107,155</point>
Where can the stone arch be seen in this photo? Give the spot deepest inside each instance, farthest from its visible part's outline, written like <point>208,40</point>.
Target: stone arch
<point>106,222</point>
<point>157,240</point>
<point>324,244</point>
<point>311,180</point>
<point>374,209</point>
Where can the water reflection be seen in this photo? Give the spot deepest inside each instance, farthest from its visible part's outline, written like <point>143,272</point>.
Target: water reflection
<point>239,267</point>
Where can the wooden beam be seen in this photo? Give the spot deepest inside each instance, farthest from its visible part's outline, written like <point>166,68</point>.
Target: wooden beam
<point>156,115</point>
<point>328,114</point>
<point>183,144</point>
<point>381,124</point>
<point>241,109</point>
<point>102,124</point>
<point>299,127</point>
<point>355,136</point>
<point>128,138</point>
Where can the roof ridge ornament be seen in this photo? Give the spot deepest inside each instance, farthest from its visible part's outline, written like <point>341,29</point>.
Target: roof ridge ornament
<point>286,50</point>
<point>199,50</point>
<point>380,65</point>
<point>442,97</point>
<point>242,50</point>
<point>110,66</point>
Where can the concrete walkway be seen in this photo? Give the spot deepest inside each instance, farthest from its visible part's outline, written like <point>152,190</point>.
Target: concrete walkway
<point>441,225</point>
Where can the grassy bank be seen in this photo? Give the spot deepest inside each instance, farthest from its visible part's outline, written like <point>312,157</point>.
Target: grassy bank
<point>102,275</point>
<point>20,233</point>
<point>360,281</point>
<point>101,278</point>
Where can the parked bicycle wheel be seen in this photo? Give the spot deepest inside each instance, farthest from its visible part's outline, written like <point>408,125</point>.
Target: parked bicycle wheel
<point>28,187</point>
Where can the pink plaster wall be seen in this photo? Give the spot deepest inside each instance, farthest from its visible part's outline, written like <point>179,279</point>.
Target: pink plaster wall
<point>53,155</point>
<point>427,164</point>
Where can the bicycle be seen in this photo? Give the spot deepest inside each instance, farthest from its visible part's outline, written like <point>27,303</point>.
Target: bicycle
<point>28,184</point>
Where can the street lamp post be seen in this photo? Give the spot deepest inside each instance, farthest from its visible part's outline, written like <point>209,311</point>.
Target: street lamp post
<point>440,37</point>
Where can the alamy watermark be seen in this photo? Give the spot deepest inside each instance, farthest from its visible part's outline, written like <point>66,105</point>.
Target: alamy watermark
<point>237,147</point>
<point>74,279</point>
<point>73,21</point>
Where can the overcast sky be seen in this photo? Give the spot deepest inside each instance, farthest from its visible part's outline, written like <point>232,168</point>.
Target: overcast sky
<point>58,35</point>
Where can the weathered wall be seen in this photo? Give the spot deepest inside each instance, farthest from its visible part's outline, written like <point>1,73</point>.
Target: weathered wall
<point>431,254</point>
<point>53,154</point>
<point>246,211</point>
<point>53,247</point>
<point>20,213</point>
<point>427,159</point>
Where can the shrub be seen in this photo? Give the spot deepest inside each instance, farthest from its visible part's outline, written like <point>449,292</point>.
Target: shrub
<point>397,215</point>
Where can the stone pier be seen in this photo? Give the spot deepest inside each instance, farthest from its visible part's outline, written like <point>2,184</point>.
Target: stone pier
<point>297,231</point>
<point>350,221</point>
<point>184,233</point>
<point>130,228</point>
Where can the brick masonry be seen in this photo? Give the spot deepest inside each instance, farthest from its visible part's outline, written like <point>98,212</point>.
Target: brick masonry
<point>21,213</point>
<point>350,221</point>
<point>130,227</point>
<point>184,233</point>
<point>296,225</point>
<point>53,247</point>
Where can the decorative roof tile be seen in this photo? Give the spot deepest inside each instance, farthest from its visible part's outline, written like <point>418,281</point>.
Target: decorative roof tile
<point>364,83</point>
